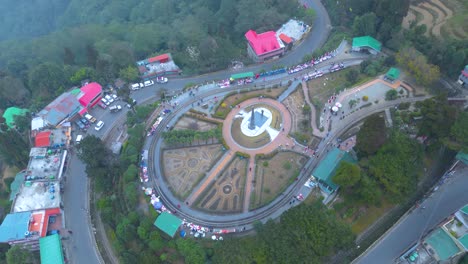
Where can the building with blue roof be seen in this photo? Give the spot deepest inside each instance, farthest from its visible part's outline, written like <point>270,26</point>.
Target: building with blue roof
<point>326,169</point>
<point>15,227</point>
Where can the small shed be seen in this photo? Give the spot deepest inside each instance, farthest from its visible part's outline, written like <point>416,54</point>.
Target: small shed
<point>392,74</point>
<point>168,223</point>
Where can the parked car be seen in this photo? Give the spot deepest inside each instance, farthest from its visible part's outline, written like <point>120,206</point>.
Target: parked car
<point>80,124</point>
<point>84,121</point>
<point>99,125</point>
<point>109,99</point>
<point>105,101</point>
<point>115,97</point>
<point>142,85</point>
<point>115,108</point>
<point>161,79</point>
<point>102,105</point>
<point>78,139</point>
<point>148,83</point>
<point>135,86</point>
<point>90,118</point>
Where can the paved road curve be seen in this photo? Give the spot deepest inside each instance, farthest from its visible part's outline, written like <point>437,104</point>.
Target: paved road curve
<point>448,198</point>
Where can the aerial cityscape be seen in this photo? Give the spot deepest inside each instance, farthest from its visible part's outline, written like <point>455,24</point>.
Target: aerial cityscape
<point>218,131</point>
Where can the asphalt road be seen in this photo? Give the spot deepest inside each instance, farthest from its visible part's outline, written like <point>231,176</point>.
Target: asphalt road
<point>81,246</point>
<point>446,200</point>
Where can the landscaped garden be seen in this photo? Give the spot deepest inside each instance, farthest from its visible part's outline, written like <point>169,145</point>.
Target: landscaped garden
<point>189,122</point>
<point>273,175</point>
<point>184,167</point>
<point>226,193</point>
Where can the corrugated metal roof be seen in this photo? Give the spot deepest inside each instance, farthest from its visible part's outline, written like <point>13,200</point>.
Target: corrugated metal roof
<point>393,73</point>
<point>168,223</point>
<point>51,250</point>
<point>16,184</point>
<point>14,227</point>
<point>367,41</point>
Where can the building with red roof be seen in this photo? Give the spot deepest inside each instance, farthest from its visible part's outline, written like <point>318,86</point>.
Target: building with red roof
<point>90,94</point>
<point>263,46</point>
<point>161,65</point>
<point>42,139</point>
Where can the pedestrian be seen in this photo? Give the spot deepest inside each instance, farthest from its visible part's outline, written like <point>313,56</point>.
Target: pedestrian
<point>250,169</point>
<point>178,206</point>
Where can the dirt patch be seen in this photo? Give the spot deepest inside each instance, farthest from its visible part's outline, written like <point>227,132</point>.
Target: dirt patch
<point>183,168</point>
<point>8,172</point>
<point>274,175</point>
<point>408,19</point>
<point>188,122</point>
<point>226,194</point>
<point>233,100</point>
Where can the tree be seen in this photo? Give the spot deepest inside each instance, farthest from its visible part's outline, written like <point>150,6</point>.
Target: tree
<point>91,55</point>
<point>371,136</point>
<point>14,148</point>
<point>416,63</point>
<point>81,74</point>
<point>352,76</point>
<point>365,25</point>
<point>68,56</point>
<point>437,117</point>
<point>347,174</point>
<point>459,131</point>
<point>16,254</point>
<point>47,80</point>
<point>391,95</point>
<point>13,91</point>
<point>129,74</point>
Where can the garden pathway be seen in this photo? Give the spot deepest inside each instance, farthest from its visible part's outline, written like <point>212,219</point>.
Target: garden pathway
<point>313,112</point>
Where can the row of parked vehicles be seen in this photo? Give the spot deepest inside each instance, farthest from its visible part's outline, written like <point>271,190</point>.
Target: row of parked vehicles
<point>137,86</point>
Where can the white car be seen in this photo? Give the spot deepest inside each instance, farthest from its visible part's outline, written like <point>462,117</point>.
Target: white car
<point>115,108</point>
<point>109,99</point>
<point>142,85</point>
<point>161,80</point>
<point>135,86</point>
<point>148,83</point>
<point>115,97</point>
<point>99,125</point>
<point>105,101</point>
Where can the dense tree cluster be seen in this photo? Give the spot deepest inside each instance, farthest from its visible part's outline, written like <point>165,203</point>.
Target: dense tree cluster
<point>305,234</point>
<point>371,136</point>
<point>189,136</point>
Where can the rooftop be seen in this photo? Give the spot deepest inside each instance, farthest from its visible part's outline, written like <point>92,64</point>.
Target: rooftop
<point>157,65</point>
<point>463,157</point>
<point>37,195</point>
<point>89,92</point>
<point>15,227</point>
<point>293,29</point>
<point>168,223</point>
<point>42,139</point>
<point>327,167</point>
<point>443,245</point>
<point>10,114</point>
<point>37,123</point>
<point>15,186</point>
<point>38,152</point>
<point>62,107</point>
<point>264,42</point>
<point>393,73</point>
<point>51,250</point>
<point>48,167</point>
<point>367,41</point>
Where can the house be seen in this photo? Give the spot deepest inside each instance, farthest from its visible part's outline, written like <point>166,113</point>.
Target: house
<point>168,223</point>
<point>263,46</point>
<point>26,228</point>
<point>90,95</point>
<point>463,78</point>
<point>366,43</point>
<point>326,169</point>
<point>157,66</point>
<point>10,114</point>
<point>64,108</point>
<point>292,32</point>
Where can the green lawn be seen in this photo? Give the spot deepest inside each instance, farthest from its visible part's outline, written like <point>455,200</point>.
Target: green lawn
<point>370,216</point>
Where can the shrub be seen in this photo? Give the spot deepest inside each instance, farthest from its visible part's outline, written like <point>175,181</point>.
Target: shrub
<point>365,98</point>
<point>265,163</point>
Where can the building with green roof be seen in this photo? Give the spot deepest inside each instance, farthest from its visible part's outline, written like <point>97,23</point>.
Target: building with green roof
<point>366,43</point>
<point>392,74</point>
<point>168,223</point>
<point>10,114</point>
<point>463,157</point>
<point>327,168</point>
<point>51,250</point>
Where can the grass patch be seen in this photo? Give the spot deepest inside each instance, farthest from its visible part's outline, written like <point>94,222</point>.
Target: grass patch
<point>370,216</point>
<point>245,141</point>
<point>233,99</point>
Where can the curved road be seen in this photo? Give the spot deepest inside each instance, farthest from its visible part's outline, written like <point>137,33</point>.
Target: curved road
<point>81,247</point>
